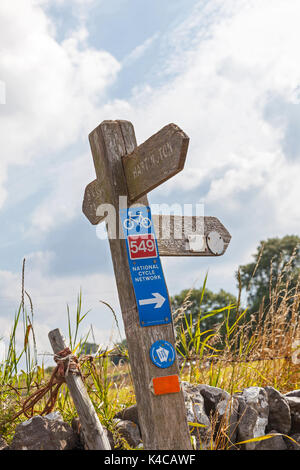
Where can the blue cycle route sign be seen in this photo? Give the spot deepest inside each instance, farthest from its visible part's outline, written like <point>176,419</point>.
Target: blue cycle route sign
<point>145,267</point>
<point>162,354</point>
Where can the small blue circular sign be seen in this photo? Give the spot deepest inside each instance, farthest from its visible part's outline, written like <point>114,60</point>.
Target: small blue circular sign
<point>162,354</point>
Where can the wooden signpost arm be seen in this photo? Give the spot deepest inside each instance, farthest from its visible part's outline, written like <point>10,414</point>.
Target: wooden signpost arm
<point>173,234</point>
<point>162,418</point>
<point>147,166</point>
<point>164,151</point>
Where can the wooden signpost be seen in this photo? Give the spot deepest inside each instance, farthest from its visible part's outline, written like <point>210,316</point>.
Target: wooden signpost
<point>123,169</point>
<point>145,167</point>
<point>188,235</point>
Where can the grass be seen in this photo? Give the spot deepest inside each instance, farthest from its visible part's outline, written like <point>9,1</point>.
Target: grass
<point>237,352</point>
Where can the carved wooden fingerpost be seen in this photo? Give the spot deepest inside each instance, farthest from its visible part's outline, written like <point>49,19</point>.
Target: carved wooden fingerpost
<point>162,417</point>
<point>93,432</point>
<point>189,235</point>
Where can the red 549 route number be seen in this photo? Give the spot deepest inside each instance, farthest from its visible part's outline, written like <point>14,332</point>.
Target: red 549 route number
<point>142,246</point>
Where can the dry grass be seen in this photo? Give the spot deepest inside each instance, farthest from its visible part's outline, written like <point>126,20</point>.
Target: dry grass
<point>237,353</point>
<point>240,351</point>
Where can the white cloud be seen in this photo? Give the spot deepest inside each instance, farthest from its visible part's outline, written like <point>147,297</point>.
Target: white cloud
<point>139,50</point>
<point>52,89</point>
<point>223,64</point>
<point>228,59</point>
<point>238,55</point>
<point>2,92</point>
<point>61,2</point>
<point>50,296</point>
<point>63,202</point>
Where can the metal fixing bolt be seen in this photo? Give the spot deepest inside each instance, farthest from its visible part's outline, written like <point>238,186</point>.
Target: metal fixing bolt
<point>196,243</point>
<point>215,242</point>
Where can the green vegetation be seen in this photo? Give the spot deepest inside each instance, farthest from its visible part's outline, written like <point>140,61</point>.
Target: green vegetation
<point>273,257</point>
<point>199,307</point>
<point>218,342</point>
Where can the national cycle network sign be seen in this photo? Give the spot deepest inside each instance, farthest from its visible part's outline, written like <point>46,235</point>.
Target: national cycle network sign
<point>145,266</point>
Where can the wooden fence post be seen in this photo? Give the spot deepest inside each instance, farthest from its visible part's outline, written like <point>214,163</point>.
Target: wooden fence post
<point>94,435</point>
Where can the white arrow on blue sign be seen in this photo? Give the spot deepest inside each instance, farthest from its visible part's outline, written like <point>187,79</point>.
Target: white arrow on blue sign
<point>156,299</point>
<point>145,266</point>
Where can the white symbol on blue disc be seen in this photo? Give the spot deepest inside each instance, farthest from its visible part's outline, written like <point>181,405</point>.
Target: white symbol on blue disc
<point>137,220</point>
<point>162,354</point>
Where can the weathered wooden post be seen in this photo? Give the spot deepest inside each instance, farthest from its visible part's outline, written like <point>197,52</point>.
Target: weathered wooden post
<point>123,169</point>
<point>93,432</point>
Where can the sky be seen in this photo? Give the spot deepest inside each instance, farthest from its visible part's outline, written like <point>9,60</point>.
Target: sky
<point>226,71</point>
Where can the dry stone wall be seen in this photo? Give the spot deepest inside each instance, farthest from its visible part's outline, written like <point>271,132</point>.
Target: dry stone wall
<point>226,421</point>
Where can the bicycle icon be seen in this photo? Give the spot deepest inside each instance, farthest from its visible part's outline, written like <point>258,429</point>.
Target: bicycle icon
<point>137,220</point>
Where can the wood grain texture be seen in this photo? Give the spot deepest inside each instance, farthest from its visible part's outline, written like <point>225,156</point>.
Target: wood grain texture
<point>92,429</point>
<point>159,158</point>
<point>146,167</point>
<point>93,197</point>
<point>172,234</point>
<point>162,418</point>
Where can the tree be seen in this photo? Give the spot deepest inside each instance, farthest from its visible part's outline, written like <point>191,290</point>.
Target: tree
<point>203,302</point>
<point>276,260</point>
